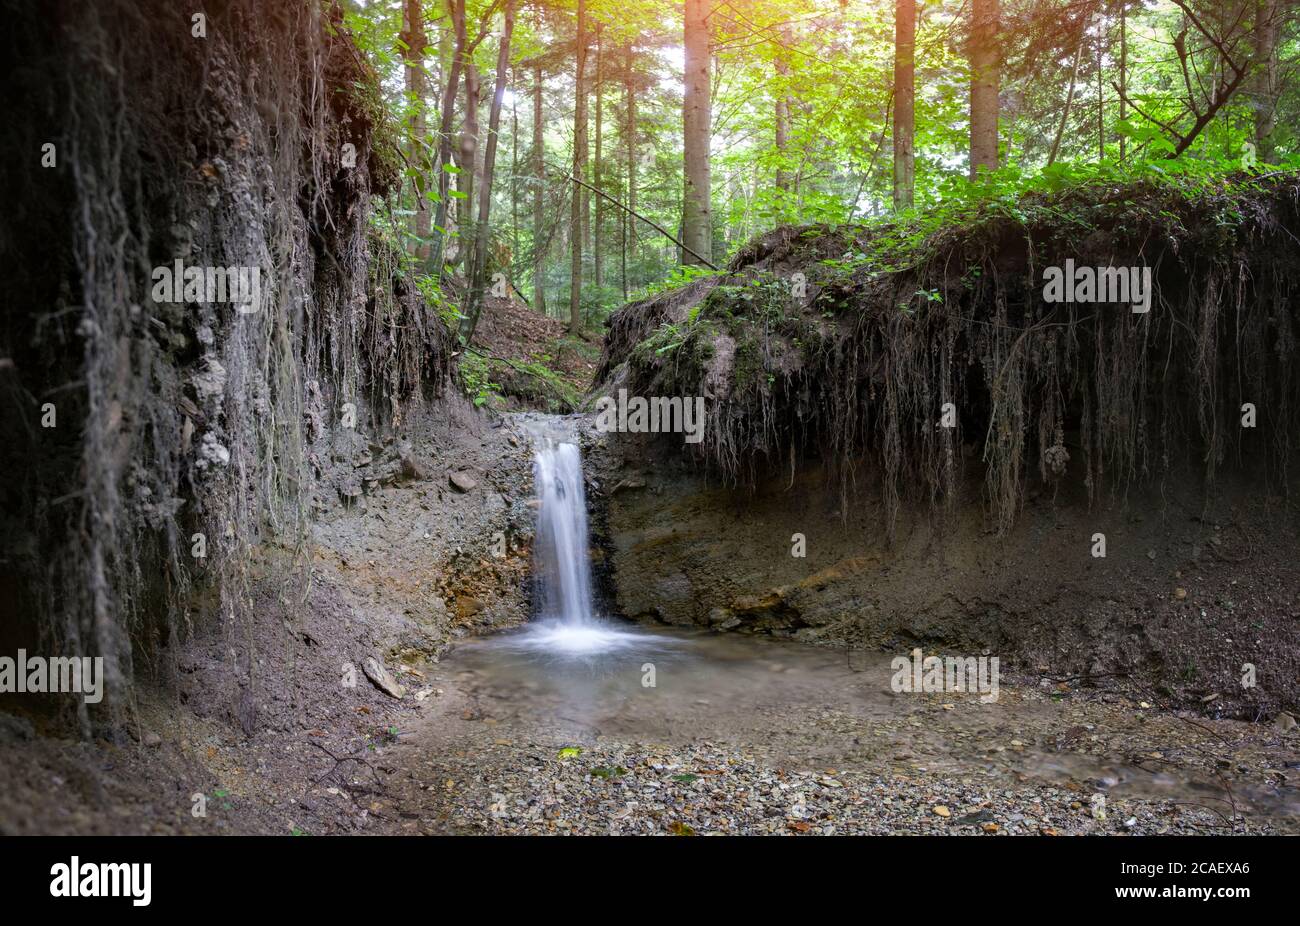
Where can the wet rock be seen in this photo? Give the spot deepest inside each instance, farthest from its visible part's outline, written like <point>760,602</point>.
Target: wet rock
<point>382,680</point>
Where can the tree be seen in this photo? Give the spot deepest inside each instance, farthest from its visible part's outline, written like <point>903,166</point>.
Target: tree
<point>598,253</point>
<point>904,103</point>
<point>478,273</point>
<point>413,38</point>
<point>629,141</point>
<point>697,212</point>
<point>985,73</point>
<point>539,174</point>
<point>457,10</point>
<point>1265,88</point>
<point>579,173</point>
<point>782,114</point>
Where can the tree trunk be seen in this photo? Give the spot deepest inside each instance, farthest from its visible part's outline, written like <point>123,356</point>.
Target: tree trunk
<point>629,224</point>
<point>1101,89</point>
<point>539,173</point>
<point>904,103</point>
<point>414,37</point>
<point>1268,15</point>
<point>514,167</point>
<point>579,172</point>
<point>985,67</point>
<point>457,10</point>
<point>1069,96</point>
<point>1123,76</point>
<point>697,215</point>
<point>600,203</point>
<point>781,133</point>
<point>468,164</point>
<point>478,274</point>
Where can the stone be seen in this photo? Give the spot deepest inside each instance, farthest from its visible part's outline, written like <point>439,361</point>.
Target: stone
<point>382,680</point>
<point>467,606</point>
<point>1284,722</point>
<point>461,482</point>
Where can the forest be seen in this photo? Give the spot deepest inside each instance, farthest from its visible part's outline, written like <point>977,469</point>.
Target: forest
<point>593,153</point>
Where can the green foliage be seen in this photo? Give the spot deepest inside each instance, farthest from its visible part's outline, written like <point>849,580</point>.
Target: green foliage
<point>476,375</point>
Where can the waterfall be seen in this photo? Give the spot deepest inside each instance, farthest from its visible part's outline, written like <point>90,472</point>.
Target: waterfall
<point>562,566</point>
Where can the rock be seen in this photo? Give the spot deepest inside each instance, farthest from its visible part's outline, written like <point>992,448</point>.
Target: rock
<point>720,615</point>
<point>467,606</point>
<point>942,811</point>
<point>1284,722</point>
<point>152,740</point>
<point>1180,593</point>
<point>1097,806</point>
<point>411,467</point>
<point>461,482</point>
<point>634,482</point>
<point>385,682</point>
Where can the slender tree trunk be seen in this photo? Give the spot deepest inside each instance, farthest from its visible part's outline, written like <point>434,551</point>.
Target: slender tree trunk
<point>514,167</point>
<point>457,10</point>
<point>579,172</point>
<point>1069,96</point>
<point>904,103</point>
<point>1101,89</point>
<point>539,175</point>
<point>468,166</point>
<point>598,166</point>
<point>1123,75</point>
<point>629,225</point>
<point>1268,15</point>
<point>478,275</point>
<point>985,68</point>
<point>782,114</point>
<point>697,213</point>
<point>414,37</point>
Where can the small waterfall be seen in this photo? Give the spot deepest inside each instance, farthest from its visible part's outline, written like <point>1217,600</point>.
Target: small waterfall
<point>563,569</point>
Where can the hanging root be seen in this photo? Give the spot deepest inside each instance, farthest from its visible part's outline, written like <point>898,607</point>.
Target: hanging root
<point>912,360</point>
<point>187,432</point>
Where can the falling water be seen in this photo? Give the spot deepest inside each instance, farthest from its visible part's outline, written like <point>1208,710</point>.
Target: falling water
<point>563,570</point>
<point>566,624</point>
